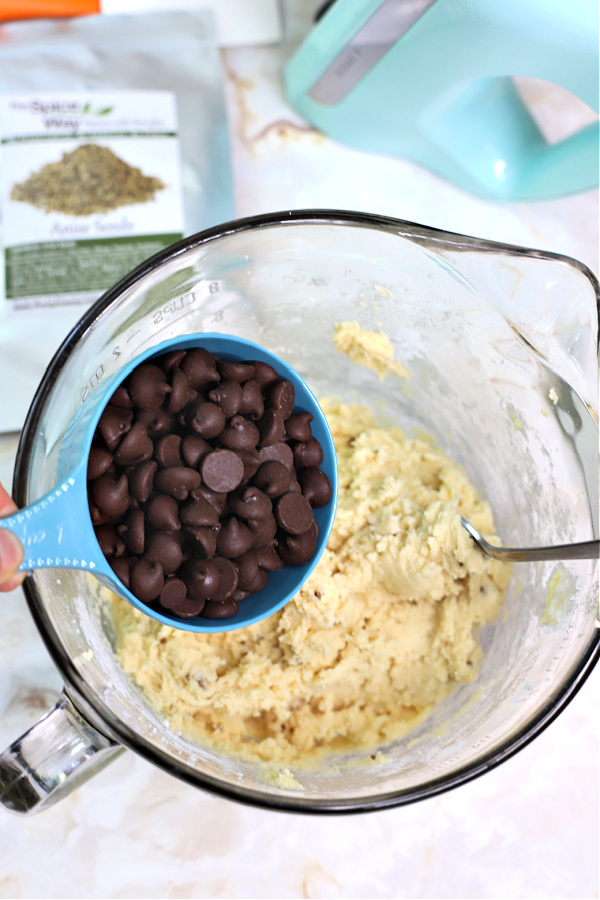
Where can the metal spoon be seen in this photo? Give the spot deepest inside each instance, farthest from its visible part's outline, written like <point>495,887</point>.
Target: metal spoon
<point>584,550</point>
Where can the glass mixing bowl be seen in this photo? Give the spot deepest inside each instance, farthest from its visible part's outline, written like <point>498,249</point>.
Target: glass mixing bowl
<point>502,347</point>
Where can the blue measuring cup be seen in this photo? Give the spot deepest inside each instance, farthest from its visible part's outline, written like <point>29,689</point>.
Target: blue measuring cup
<point>57,530</point>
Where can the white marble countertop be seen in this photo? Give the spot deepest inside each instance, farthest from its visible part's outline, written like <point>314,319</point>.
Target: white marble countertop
<point>527,829</point>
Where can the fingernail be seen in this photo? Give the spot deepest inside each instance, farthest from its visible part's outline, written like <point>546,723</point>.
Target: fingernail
<point>11,554</point>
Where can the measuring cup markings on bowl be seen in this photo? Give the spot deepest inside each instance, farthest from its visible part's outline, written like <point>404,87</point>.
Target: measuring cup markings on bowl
<point>57,531</point>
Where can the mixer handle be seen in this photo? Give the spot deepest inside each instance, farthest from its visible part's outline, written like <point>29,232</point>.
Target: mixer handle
<point>430,81</point>
<point>492,139</point>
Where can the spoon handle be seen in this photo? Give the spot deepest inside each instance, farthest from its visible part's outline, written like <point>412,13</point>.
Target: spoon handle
<point>52,531</point>
<point>583,550</point>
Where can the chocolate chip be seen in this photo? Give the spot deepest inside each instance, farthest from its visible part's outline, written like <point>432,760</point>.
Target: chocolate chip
<point>163,513</point>
<point>293,513</point>
<point>281,452</point>
<point>111,544</point>
<point>200,366</point>
<point>156,421</point>
<point>217,499</point>
<point>316,486</point>
<point>148,386</point>
<point>234,539</point>
<point>273,478</point>
<point>268,558</point>
<point>205,419</point>
<point>171,360</point>
<point>297,426</point>
<point>203,538</point>
<point>281,397</point>
<point>182,392</point>
<point>247,567</point>
<point>121,566</point>
<point>199,513</point>
<point>250,503</point>
<point>229,578</point>
<point>111,494</point>
<point>96,516</point>
<point>223,610</point>
<point>193,448</point>
<point>136,447</point>
<point>222,470</point>
<point>177,481</point>
<point>251,462</point>
<point>294,484</point>
<point>121,398</point>
<point>132,530</point>
<point>202,578</point>
<point>240,434</point>
<point>308,453</point>
<point>251,579</point>
<point>141,480</point>
<point>174,598</point>
<point>264,374</point>
<point>260,581</point>
<point>295,550</point>
<point>252,404</point>
<point>146,580</point>
<point>228,396</point>
<point>168,451</point>
<point>113,425</point>
<point>262,530</point>
<point>99,460</point>
<point>271,428</point>
<point>164,548</point>
<point>230,370</point>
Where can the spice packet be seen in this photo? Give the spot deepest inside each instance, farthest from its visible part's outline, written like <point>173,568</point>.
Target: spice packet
<point>251,22</point>
<point>91,188</point>
<point>114,144</point>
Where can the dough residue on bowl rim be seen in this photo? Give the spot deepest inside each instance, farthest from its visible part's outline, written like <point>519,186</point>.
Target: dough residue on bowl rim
<point>372,349</point>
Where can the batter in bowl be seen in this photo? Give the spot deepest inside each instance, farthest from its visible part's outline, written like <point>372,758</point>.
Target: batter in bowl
<point>383,630</point>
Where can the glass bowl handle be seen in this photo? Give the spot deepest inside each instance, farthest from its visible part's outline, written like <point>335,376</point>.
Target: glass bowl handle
<point>51,759</point>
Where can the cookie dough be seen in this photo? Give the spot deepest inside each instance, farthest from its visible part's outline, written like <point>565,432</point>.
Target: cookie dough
<point>383,630</point>
<point>372,349</point>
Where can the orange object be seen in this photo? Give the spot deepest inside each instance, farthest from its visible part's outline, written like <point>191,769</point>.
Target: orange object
<point>11,10</point>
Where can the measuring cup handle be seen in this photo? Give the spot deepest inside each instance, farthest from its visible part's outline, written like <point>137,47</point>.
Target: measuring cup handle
<point>52,527</point>
<point>51,759</point>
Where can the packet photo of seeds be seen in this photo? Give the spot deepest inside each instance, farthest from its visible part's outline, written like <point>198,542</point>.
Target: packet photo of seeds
<point>114,145</point>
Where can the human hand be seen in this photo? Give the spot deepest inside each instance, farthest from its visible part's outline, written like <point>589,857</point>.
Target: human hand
<point>11,549</point>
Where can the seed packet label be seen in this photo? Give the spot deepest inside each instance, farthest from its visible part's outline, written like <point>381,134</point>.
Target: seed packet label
<point>91,186</point>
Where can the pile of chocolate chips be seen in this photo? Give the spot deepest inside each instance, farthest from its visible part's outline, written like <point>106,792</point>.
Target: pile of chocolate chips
<point>202,480</point>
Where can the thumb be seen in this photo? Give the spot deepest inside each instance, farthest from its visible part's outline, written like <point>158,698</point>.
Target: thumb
<point>11,557</point>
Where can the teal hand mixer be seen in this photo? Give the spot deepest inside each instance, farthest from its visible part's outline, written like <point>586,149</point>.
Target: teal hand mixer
<point>432,81</point>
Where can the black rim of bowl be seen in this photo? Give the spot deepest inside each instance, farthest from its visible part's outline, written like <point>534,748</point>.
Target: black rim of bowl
<point>75,686</point>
